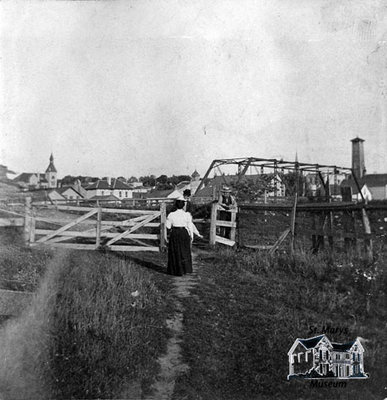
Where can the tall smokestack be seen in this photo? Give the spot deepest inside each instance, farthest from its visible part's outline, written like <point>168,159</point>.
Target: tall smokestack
<point>358,165</point>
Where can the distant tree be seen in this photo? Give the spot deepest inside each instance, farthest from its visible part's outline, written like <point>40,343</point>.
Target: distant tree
<point>148,181</point>
<point>132,179</point>
<point>290,181</point>
<point>163,183</point>
<point>251,189</point>
<point>162,179</point>
<point>68,180</point>
<point>174,180</point>
<point>182,178</point>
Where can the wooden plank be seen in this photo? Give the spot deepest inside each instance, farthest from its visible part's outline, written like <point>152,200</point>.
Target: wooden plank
<point>113,224</point>
<point>132,248</point>
<point>98,228</point>
<point>229,224</point>
<point>11,212</point>
<point>32,230</point>
<point>140,242</point>
<point>126,222</point>
<point>293,221</point>
<point>69,225</point>
<point>339,206</point>
<point>163,229</point>
<point>107,210</point>
<point>214,210</point>
<point>279,241</point>
<point>135,227</point>
<point>227,242</point>
<point>76,246</point>
<point>27,220</point>
<point>88,234</point>
<point>11,222</point>
<point>367,231</point>
<point>233,228</point>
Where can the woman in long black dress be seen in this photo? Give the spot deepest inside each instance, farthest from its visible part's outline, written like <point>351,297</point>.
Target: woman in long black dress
<point>179,242</point>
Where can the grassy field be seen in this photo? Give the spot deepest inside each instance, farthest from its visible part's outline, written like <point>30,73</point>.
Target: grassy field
<point>20,268</point>
<point>249,309</point>
<point>95,329</point>
<point>97,325</point>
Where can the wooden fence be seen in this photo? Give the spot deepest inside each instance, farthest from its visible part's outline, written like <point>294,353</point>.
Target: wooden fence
<point>140,230</point>
<point>256,226</point>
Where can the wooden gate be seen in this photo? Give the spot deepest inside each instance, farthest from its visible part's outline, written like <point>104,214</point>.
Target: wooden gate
<point>216,235</point>
<point>142,230</point>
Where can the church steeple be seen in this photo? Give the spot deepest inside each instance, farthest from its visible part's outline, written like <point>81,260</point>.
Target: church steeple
<point>51,166</point>
<point>51,173</point>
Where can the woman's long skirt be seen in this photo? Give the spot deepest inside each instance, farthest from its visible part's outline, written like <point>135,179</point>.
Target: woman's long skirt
<point>179,252</point>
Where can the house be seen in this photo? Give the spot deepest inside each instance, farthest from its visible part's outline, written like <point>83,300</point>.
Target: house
<point>373,187</point>
<point>98,188</point>
<point>64,194</point>
<point>114,187</point>
<point>377,185</point>
<point>4,171</point>
<point>56,197</point>
<point>318,357</point>
<point>120,189</point>
<point>155,196</point>
<point>27,180</point>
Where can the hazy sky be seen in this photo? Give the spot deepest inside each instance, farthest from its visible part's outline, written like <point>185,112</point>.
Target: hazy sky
<point>162,86</point>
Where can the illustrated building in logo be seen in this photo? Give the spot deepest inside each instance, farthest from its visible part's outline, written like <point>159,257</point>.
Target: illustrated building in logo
<point>318,357</point>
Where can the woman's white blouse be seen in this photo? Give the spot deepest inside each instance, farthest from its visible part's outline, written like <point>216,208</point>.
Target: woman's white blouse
<point>178,218</point>
<point>183,219</point>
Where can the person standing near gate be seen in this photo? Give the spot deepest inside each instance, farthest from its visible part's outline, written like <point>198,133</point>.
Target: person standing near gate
<point>182,231</point>
<point>227,203</point>
<point>187,199</point>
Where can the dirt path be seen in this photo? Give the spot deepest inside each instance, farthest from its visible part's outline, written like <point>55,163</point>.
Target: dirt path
<point>13,302</point>
<point>171,363</point>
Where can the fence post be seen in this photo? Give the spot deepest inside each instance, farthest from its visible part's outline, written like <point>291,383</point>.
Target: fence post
<point>367,232</point>
<point>163,218</point>
<point>213,224</point>
<point>329,215</point>
<point>233,228</point>
<point>32,227</point>
<point>314,233</point>
<point>27,220</point>
<point>98,233</point>
<point>293,224</point>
